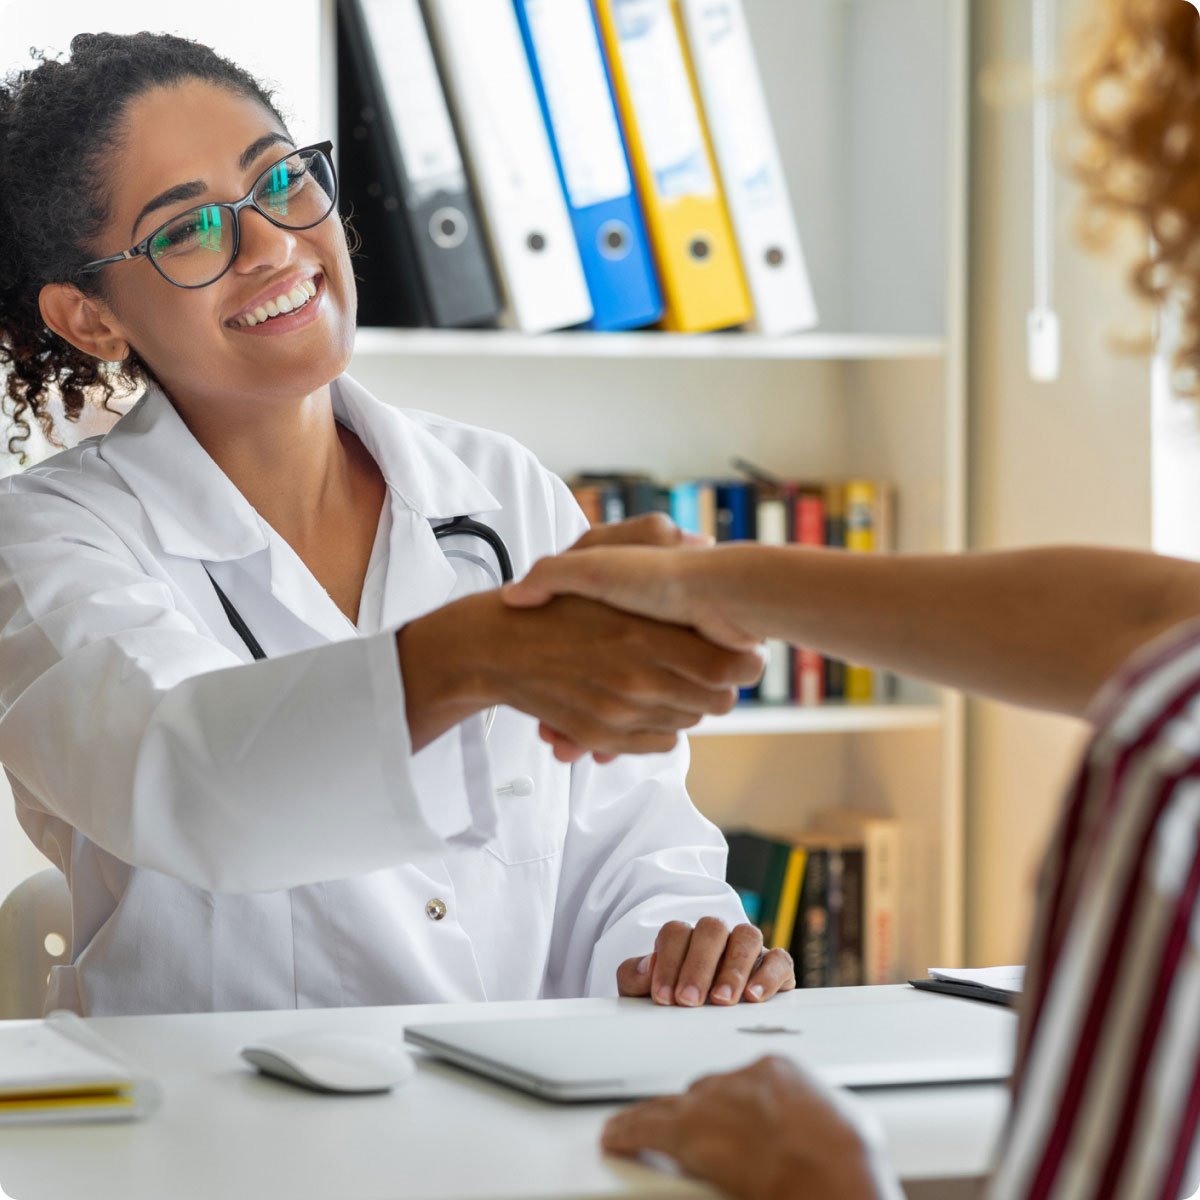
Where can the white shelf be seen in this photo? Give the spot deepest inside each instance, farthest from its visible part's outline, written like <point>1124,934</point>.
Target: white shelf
<point>505,343</point>
<point>825,718</point>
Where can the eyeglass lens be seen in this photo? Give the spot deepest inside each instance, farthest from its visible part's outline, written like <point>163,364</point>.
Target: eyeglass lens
<point>198,245</point>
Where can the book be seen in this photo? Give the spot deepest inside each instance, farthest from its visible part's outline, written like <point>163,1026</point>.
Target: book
<point>809,530</point>
<point>880,841</point>
<point>835,538</point>
<point>811,945</point>
<point>772,522</point>
<point>756,869</point>
<point>861,502</point>
<point>57,1070</point>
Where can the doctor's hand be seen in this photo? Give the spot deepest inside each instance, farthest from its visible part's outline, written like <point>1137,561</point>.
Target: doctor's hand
<point>707,964</point>
<point>608,682</point>
<point>766,1132</point>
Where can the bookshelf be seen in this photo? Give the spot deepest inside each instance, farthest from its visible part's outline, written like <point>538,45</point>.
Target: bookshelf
<point>869,99</point>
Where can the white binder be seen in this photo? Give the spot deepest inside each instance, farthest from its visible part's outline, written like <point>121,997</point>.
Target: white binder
<point>748,158</point>
<point>486,72</point>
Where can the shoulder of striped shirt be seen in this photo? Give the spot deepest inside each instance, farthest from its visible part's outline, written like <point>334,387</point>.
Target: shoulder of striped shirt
<point>1108,1100</point>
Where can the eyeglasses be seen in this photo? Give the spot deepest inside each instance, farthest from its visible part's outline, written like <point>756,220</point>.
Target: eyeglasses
<point>197,247</point>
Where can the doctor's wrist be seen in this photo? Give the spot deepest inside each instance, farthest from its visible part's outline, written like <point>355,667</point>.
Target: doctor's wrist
<point>442,666</point>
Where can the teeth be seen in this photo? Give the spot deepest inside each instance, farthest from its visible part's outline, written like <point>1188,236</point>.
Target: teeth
<point>286,302</point>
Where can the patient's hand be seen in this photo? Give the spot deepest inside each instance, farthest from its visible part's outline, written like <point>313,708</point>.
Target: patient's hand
<point>763,1133</point>
<point>708,964</point>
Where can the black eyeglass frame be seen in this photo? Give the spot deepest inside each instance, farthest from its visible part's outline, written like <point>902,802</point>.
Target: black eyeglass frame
<point>142,249</point>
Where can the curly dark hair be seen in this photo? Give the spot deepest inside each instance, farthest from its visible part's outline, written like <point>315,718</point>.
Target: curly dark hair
<point>58,122</point>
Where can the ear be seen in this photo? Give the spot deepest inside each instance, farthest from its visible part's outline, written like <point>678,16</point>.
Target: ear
<point>87,323</point>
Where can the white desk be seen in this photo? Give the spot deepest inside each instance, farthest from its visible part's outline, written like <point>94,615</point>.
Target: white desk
<point>224,1133</point>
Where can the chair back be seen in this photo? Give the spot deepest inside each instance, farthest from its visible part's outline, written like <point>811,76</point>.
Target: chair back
<point>35,935</point>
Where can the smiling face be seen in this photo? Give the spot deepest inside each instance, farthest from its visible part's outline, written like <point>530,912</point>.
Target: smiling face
<point>213,347</point>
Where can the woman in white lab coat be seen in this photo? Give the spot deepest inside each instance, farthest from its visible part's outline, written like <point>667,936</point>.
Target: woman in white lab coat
<point>305,812</point>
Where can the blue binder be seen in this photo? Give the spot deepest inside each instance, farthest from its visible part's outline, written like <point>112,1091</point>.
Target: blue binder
<point>569,71</point>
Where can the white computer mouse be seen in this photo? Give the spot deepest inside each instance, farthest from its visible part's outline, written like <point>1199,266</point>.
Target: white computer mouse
<point>332,1062</point>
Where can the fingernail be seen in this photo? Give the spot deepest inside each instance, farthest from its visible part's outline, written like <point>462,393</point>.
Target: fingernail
<point>723,994</point>
<point>755,990</point>
<point>663,995</point>
<point>690,995</point>
<point>644,965</point>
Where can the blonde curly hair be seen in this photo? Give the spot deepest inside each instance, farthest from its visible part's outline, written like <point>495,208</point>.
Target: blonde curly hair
<point>1137,90</point>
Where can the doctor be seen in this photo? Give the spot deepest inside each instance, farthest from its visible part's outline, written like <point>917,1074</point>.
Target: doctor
<point>242,688</point>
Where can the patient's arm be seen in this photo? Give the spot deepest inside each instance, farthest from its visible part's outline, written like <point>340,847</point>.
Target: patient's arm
<point>1043,627</point>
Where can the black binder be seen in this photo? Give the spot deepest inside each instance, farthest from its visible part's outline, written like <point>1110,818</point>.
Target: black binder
<point>423,259</point>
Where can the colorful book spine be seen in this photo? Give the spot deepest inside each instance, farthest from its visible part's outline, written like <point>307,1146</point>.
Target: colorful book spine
<point>809,525</point>
<point>861,501</point>
<point>772,520</point>
<point>789,899</point>
<point>835,538</point>
<point>810,947</point>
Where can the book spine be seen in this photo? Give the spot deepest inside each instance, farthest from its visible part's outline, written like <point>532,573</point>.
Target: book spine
<point>860,539</point>
<point>810,939</point>
<point>835,537</point>
<point>881,902</point>
<point>809,686</point>
<point>849,968</point>
<point>789,899</point>
<point>776,684</point>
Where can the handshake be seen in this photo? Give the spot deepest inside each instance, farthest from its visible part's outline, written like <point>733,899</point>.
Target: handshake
<point>632,644</point>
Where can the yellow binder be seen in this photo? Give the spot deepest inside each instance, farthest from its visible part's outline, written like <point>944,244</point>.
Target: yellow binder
<point>694,247</point>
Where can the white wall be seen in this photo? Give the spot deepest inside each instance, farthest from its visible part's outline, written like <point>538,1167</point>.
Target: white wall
<point>1063,462</point>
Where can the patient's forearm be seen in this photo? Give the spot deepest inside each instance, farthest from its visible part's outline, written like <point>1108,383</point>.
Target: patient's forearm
<point>1043,627</point>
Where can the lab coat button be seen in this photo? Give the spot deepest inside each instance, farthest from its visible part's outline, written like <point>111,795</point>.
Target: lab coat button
<point>435,910</point>
<point>521,786</point>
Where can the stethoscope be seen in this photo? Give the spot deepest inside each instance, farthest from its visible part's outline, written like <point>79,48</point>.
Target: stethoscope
<point>459,527</point>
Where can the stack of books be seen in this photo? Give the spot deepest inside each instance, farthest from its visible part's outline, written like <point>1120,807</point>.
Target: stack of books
<point>544,164</point>
<point>857,515</point>
<point>829,897</point>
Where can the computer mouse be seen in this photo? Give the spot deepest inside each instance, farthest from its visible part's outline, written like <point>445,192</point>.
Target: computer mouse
<point>332,1062</point>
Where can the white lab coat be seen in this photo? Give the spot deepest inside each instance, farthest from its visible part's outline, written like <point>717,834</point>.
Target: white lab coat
<point>242,835</point>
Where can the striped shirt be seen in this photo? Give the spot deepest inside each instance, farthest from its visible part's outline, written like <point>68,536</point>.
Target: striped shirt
<point>1106,1090</point>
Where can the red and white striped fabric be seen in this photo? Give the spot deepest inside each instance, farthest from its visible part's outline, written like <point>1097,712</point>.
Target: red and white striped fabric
<point>1107,1083</point>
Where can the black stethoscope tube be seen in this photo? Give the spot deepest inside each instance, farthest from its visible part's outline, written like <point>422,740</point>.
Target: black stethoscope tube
<point>464,526</point>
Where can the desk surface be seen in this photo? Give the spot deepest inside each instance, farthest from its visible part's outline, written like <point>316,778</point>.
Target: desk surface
<point>222,1130</point>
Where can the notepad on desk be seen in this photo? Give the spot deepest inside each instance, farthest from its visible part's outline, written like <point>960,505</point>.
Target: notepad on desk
<point>56,1070</point>
<point>996,985</point>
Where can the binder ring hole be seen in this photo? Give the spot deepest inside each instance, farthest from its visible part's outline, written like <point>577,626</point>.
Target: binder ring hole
<point>536,242</point>
<point>55,945</point>
<point>448,228</point>
<point>615,239</point>
<point>700,249</point>
<point>774,257</point>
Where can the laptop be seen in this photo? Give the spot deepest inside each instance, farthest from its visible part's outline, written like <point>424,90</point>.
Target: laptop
<point>642,1050</point>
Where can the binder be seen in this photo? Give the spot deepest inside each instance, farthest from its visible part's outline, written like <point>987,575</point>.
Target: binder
<point>573,88</point>
<point>693,243</point>
<point>424,260</point>
<point>486,71</point>
<point>747,156</point>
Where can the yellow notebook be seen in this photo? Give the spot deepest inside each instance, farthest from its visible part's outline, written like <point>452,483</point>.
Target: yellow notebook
<point>692,239</point>
<point>57,1070</point>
